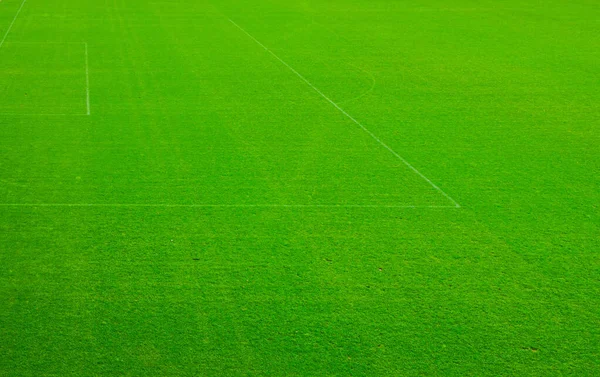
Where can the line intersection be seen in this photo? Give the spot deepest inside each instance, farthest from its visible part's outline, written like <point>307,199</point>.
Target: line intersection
<point>365,129</point>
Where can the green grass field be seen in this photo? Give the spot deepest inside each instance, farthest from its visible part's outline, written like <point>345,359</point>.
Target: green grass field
<point>299,188</point>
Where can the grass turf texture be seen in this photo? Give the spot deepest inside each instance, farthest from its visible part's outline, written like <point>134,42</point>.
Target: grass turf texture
<point>131,240</point>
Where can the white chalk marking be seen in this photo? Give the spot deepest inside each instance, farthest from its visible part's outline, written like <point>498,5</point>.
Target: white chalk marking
<point>44,43</point>
<point>42,114</point>
<point>133,205</point>
<point>87,80</point>
<point>87,77</point>
<point>12,23</point>
<point>348,115</point>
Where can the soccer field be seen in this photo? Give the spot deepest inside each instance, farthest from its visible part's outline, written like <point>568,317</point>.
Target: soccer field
<point>299,188</point>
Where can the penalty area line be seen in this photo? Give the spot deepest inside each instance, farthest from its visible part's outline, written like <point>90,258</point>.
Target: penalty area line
<point>365,129</point>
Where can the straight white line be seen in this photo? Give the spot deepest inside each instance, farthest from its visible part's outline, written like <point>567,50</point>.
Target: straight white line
<point>12,23</point>
<point>45,42</point>
<point>42,114</point>
<point>348,116</point>
<point>87,79</point>
<point>133,205</point>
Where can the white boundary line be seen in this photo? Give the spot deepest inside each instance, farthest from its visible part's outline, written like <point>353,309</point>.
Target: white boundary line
<point>87,76</point>
<point>12,23</point>
<point>87,79</point>
<point>117,205</point>
<point>45,42</point>
<point>377,139</point>
<point>43,114</point>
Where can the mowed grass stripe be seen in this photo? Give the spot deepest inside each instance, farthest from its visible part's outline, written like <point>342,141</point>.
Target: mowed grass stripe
<point>497,104</point>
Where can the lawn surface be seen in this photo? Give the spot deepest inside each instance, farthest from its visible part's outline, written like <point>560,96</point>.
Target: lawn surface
<point>299,188</point>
